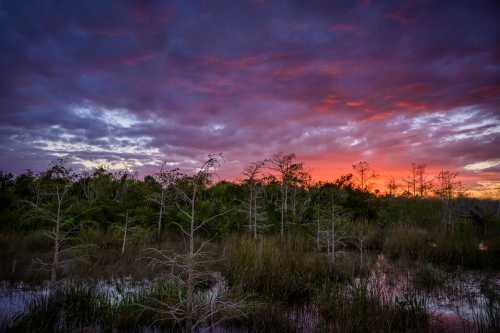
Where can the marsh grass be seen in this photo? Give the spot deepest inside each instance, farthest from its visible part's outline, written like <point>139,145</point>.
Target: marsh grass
<point>438,245</point>
<point>489,321</point>
<point>79,307</point>
<point>273,269</point>
<point>62,310</point>
<point>286,284</point>
<point>358,308</point>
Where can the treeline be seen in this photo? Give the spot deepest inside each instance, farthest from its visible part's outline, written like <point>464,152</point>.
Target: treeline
<point>274,195</point>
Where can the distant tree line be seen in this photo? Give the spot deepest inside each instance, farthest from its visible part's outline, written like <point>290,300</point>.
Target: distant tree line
<point>274,195</point>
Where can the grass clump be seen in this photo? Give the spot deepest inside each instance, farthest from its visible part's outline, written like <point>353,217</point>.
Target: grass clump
<point>358,308</point>
<point>84,307</point>
<point>489,321</point>
<point>405,241</point>
<point>274,270</point>
<point>64,309</point>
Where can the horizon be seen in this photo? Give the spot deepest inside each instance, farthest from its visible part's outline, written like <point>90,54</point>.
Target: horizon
<point>129,85</point>
<point>378,184</point>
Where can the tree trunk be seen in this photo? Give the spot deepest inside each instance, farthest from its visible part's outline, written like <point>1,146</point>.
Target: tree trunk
<point>255,214</point>
<point>57,240</point>
<point>361,252</point>
<point>318,246</point>
<point>162,203</point>
<point>285,209</point>
<point>333,230</point>
<point>250,209</point>
<point>282,210</point>
<point>125,233</point>
<point>190,287</point>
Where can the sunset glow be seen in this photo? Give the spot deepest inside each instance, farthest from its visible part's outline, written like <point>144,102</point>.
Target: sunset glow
<point>130,85</point>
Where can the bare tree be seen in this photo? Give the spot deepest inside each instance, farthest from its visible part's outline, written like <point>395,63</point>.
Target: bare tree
<point>364,175</point>
<point>318,227</point>
<point>423,184</point>
<point>446,184</point>
<point>332,228</point>
<point>392,186</point>
<point>54,186</point>
<point>328,214</point>
<point>252,173</point>
<point>336,238</point>
<point>127,230</point>
<point>411,181</point>
<point>188,309</point>
<point>417,182</point>
<point>287,168</point>
<point>166,179</point>
<point>446,189</point>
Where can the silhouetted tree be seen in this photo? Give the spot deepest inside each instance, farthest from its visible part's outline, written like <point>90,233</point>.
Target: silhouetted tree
<point>364,175</point>
<point>392,186</point>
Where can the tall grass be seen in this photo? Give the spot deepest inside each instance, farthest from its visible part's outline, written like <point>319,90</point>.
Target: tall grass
<point>80,307</point>
<point>274,269</point>
<point>64,309</point>
<point>489,321</point>
<point>358,308</point>
<point>438,245</point>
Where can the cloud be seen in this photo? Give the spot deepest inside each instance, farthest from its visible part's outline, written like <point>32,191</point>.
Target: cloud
<point>126,84</point>
<point>484,165</point>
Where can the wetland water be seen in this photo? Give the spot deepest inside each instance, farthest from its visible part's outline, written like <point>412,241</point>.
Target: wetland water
<point>456,301</point>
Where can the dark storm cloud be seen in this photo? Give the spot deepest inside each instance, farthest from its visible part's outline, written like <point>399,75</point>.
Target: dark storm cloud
<point>179,79</point>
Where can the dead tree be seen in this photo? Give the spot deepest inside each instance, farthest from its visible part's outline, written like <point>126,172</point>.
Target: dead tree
<point>336,213</point>
<point>287,168</point>
<point>52,205</point>
<point>364,175</point>
<point>166,180</point>
<point>423,184</point>
<point>411,181</point>
<point>127,231</point>
<point>446,188</point>
<point>392,187</point>
<point>318,228</point>
<point>328,211</point>
<point>189,310</point>
<point>332,228</point>
<point>252,180</point>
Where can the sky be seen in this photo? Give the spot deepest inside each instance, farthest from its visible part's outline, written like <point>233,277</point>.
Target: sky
<point>134,83</point>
